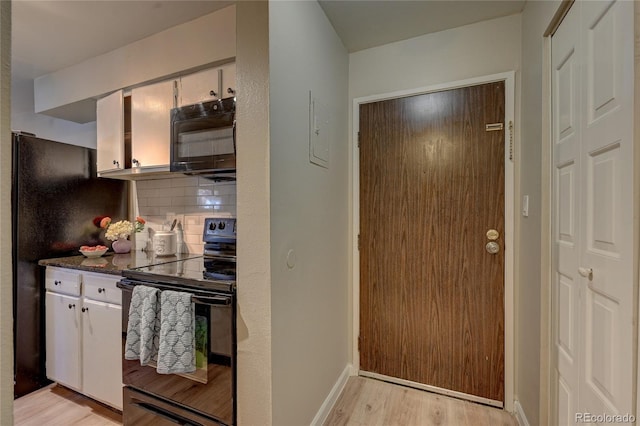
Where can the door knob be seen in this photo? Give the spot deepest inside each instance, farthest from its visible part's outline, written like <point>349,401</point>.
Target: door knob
<point>492,247</point>
<point>586,272</point>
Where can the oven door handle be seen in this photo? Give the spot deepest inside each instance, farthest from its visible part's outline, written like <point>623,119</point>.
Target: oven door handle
<point>211,300</point>
<point>205,300</point>
<point>159,412</point>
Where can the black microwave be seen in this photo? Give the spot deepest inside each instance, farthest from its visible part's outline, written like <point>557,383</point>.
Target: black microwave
<point>203,138</point>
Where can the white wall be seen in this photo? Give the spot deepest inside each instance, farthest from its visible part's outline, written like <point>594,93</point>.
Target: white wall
<point>23,117</point>
<point>532,346</point>
<point>254,232</point>
<point>309,212</point>
<point>6,307</point>
<point>480,49</point>
<point>488,47</point>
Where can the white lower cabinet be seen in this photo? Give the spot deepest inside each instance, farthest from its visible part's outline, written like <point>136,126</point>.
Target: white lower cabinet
<point>63,339</point>
<point>84,335</point>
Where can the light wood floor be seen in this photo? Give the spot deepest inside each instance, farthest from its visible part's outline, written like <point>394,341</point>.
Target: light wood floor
<point>58,406</point>
<point>370,402</point>
<point>363,402</point>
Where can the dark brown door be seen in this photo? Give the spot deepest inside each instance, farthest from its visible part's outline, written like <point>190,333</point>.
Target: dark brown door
<point>431,187</point>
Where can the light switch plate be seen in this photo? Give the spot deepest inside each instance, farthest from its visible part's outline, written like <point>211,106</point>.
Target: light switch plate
<point>525,206</point>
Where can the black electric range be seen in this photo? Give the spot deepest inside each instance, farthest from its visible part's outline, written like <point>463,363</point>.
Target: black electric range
<point>194,273</point>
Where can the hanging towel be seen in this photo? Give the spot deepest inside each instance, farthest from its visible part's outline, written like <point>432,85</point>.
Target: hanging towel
<point>144,325</point>
<point>177,333</point>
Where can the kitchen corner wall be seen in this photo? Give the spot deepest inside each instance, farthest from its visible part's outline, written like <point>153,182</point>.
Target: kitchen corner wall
<point>309,211</point>
<point>189,199</point>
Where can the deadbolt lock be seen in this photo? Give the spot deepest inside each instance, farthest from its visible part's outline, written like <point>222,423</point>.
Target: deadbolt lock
<point>492,234</point>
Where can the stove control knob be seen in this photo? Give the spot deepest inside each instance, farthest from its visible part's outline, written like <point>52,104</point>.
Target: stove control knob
<point>221,225</point>
<point>212,226</point>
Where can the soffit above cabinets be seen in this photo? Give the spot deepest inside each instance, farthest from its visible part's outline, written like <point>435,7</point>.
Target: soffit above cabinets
<point>54,34</point>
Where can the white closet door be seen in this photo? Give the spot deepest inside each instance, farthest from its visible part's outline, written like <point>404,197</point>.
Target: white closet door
<point>592,72</point>
<point>607,206</point>
<point>567,134</point>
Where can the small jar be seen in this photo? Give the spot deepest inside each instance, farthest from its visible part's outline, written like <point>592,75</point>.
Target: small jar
<point>164,243</point>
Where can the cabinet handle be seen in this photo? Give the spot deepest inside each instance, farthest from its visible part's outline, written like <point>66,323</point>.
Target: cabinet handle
<point>231,91</point>
<point>135,162</point>
<point>56,282</point>
<point>116,163</point>
<point>213,93</point>
<point>84,309</point>
<point>72,305</point>
<point>102,290</point>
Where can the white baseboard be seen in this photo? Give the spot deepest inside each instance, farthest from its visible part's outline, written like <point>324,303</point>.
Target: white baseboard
<point>331,399</point>
<point>520,416</point>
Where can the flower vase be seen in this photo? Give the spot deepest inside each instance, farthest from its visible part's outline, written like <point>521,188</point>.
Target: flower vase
<point>121,245</point>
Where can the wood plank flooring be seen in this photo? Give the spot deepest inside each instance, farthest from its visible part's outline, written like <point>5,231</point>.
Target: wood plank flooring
<point>363,402</point>
<point>370,402</point>
<point>55,405</point>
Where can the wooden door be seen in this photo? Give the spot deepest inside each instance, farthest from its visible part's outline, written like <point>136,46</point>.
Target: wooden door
<point>593,251</point>
<point>431,187</point>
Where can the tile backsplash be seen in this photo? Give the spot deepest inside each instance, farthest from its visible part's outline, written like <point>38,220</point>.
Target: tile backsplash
<point>188,199</point>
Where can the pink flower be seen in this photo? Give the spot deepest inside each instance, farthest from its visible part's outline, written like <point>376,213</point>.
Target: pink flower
<point>105,222</point>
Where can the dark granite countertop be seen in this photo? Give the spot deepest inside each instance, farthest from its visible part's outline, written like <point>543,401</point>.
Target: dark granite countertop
<point>112,263</point>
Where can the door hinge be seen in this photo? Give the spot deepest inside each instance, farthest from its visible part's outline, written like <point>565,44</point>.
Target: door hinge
<point>358,242</point>
<point>358,139</point>
<point>511,140</point>
<point>359,340</point>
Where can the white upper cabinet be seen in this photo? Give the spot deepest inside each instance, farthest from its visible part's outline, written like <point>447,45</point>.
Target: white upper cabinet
<point>134,132</point>
<point>110,131</point>
<point>150,127</point>
<point>199,87</point>
<point>208,85</point>
<point>228,80</point>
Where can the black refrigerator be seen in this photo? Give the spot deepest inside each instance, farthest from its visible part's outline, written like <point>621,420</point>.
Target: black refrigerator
<point>56,195</point>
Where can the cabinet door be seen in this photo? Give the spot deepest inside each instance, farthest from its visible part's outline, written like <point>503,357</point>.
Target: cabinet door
<point>63,339</point>
<point>150,128</point>
<point>110,131</point>
<point>229,80</point>
<point>200,87</point>
<point>102,352</point>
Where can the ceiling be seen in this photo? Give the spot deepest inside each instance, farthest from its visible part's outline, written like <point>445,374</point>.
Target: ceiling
<point>362,24</point>
<point>53,34</point>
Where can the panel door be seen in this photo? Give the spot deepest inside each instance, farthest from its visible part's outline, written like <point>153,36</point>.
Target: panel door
<point>567,288</point>
<point>63,339</point>
<point>102,352</point>
<point>592,64</point>
<point>150,124</point>
<point>110,132</point>
<point>431,187</point>
<point>607,154</point>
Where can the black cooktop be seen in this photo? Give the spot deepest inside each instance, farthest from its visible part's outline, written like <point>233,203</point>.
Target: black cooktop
<point>190,273</point>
